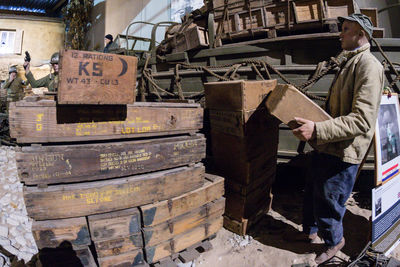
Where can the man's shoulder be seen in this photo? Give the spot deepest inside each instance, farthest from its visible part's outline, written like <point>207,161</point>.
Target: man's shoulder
<point>367,59</point>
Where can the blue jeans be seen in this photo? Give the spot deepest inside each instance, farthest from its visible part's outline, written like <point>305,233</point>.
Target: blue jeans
<point>328,186</point>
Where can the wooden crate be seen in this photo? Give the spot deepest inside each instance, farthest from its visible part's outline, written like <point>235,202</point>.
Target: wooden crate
<point>86,162</point>
<point>156,213</point>
<point>308,10</point>
<point>237,95</point>
<point>235,6</point>
<point>336,8</point>
<point>193,38</point>
<point>268,177</point>
<point>167,230</point>
<point>243,207</point>
<point>42,121</point>
<point>244,148</point>
<point>96,78</point>
<point>51,233</point>
<point>80,199</point>
<point>243,123</point>
<point>183,241</point>
<point>114,224</point>
<point>116,232</point>
<point>238,167</point>
<point>131,258</point>
<point>286,102</point>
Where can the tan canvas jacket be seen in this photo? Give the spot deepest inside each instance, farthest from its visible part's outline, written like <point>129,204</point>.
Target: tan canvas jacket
<point>353,102</point>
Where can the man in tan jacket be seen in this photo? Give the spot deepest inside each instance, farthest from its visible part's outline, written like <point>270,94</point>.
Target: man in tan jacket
<point>342,142</point>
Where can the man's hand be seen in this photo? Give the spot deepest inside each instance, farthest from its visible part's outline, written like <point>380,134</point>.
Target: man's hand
<point>305,131</point>
<point>13,75</point>
<point>26,66</point>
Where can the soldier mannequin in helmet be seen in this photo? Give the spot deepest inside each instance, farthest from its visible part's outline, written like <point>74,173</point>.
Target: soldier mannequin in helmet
<point>50,81</point>
<point>13,85</point>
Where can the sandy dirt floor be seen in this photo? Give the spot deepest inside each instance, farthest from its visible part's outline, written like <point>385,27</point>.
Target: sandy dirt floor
<point>267,245</point>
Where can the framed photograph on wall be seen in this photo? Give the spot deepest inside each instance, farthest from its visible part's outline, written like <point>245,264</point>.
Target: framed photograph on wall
<point>387,140</point>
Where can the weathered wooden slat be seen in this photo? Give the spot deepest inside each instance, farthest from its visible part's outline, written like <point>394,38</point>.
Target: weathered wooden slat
<point>37,124</point>
<point>237,95</point>
<point>162,211</point>
<point>131,258</point>
<point>76,163</point>
<point>73,200</point>
<point>96,78</point>
<point>114,224</point>
<point>183,241</point>
<point>243,123</point>
<point>183,223</point>
<point>51,233</point>
<point>286,102</point>
<point>119,246</point>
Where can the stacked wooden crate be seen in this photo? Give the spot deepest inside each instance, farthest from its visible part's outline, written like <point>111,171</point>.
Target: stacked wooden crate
<point>241,19</point>
<point>115,178</point>
<point>244,139</point>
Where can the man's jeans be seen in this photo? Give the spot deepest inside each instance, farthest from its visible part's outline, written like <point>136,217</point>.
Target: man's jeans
<point>328,186</point>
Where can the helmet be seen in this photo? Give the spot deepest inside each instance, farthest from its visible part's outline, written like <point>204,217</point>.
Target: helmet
<point>12,69</point>
<point>54,58</point>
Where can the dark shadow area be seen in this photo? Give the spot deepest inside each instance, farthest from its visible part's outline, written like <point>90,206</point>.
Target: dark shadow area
<point>90,113</point>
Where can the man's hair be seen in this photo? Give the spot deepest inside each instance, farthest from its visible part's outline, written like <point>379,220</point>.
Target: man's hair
<point>109,37</point>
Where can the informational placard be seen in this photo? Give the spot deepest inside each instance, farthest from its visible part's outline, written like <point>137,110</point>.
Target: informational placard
<point>387,140</point>
<point>386,216</point>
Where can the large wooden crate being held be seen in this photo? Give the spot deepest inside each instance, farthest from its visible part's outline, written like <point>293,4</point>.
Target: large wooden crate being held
<point>244,140</point>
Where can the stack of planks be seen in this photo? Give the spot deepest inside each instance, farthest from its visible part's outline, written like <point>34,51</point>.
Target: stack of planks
<point>244,140</point>
<point>119,184</point>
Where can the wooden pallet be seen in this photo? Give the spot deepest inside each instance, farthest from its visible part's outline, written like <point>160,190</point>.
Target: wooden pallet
<point>81,199</point>
<point>86,162</point>
<point>187,255</point>
<point>183,241</point>
<point>43,121</point>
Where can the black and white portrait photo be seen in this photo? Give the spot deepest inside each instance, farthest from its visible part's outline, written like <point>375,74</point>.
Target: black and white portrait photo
<point>389,132</point>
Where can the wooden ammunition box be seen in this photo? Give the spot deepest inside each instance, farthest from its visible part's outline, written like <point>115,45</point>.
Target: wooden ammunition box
<point>43,121</point>
<point>183,241</point>
<point>238,166</point>
<point>167,230</point>
<point>156,213</point>
<point>286,102</point>
<point>96,78</point>
<point>80,199</point>
<point>115,224</point>
<point>131,258</point>
<point>86,162</point>
<point>239,207</point>
<point>237,95</point>
<point>336,8</point>
<point>193,38</point>
<point>243,123</point>
<point>235,6</point>
<point>51,233</point>
<point>246,148</point>
<point>116,232</point>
